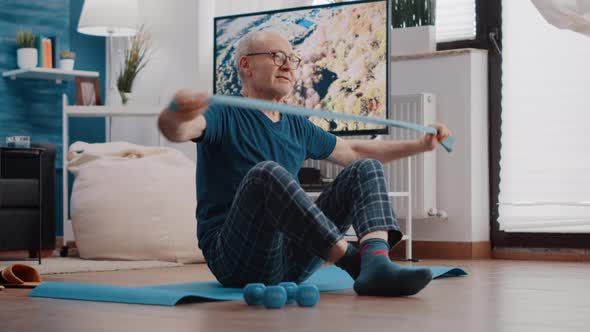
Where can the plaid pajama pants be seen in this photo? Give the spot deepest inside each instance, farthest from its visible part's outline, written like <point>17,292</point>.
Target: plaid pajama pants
<point>275,232</point>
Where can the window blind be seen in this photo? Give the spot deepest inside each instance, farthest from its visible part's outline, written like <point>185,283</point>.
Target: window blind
<point>545,153</point>
<point>455,20</point>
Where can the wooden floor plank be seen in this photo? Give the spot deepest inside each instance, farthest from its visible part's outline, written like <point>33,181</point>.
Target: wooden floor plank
<point>498,295</point>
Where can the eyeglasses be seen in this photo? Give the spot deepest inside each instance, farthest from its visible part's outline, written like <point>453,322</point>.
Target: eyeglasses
<point>280,58</point>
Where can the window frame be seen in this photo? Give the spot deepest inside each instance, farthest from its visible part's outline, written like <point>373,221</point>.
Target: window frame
<point>490,14</point>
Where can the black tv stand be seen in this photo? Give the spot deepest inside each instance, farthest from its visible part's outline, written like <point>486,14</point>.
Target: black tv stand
<point>311,179</point>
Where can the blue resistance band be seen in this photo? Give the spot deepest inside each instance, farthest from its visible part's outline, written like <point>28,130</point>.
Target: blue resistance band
<point>257,104</point>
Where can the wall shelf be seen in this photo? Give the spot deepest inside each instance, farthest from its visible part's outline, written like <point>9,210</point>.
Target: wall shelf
<point>39,73</point>
<point>108,111</point>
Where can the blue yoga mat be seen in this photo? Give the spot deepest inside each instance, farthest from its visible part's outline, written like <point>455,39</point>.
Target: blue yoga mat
<point>329,278</point>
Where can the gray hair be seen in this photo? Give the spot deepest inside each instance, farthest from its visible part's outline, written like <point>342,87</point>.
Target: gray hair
<point>245,46</point>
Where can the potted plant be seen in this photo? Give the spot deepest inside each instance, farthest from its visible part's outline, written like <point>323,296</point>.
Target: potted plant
<point>26,53</point>
<point>66,60</point>
<point>135,59</point>
<point>413,26</point>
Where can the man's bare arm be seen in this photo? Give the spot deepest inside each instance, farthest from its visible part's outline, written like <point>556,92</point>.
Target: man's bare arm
<point>180,131</point>
<point>347,151</point>
<point>186,120</point>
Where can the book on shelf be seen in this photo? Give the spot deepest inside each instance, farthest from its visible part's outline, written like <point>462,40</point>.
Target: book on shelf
<point>54,51</point>
<point>39,45</point>
<point>47,52</point>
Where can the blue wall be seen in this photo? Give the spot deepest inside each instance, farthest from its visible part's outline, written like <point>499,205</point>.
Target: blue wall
<point>33,107</point>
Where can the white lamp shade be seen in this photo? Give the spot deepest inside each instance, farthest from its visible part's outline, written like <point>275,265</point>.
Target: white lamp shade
<point>115,18</point>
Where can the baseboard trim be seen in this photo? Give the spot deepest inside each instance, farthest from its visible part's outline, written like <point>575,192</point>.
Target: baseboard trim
<point>24,254</point>
<point>16,254</point>
<point>445,250</point>
<point>420,249</point>
<point>542,254</point>
<point>59,242</point>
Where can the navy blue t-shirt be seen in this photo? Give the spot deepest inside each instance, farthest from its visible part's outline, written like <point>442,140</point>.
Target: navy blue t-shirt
<point>234,141</point>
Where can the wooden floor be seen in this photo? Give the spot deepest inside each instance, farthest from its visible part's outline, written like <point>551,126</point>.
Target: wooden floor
<point>498,295</point>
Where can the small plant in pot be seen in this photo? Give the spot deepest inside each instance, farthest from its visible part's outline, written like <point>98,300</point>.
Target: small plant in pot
<point>413,13</point>
<point>136,57</point>
<point>66,60</point>
<point>26,53</point>
<point>413,23</point>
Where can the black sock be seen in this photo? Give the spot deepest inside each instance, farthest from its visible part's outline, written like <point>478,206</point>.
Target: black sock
<point>350,262</point>
<point>380,276</point>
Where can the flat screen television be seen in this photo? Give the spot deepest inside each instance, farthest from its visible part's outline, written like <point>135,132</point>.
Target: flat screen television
<point>344,48</point>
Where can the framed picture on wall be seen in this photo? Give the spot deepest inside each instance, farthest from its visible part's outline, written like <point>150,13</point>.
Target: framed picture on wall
<point>88,91</point>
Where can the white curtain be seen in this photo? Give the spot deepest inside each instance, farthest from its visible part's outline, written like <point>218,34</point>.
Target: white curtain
<point>545,154</point>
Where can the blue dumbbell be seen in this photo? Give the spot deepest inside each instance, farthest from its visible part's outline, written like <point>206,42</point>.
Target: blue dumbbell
<point>291,289</point>
<point>274,297</point>
<point>254,293</point>
<point>307,295</point>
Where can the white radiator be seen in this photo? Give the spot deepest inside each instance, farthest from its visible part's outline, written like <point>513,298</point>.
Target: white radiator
<point>421,109</point>
<point>416,108</point>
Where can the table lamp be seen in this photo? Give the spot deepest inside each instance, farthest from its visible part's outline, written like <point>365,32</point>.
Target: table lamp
<point>109,18</point>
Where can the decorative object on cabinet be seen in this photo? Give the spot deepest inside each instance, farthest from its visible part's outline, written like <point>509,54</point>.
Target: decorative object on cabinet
<point>135,59</point>
<point>88,91</point>
<point>26,52</point>
<point>413,27</point>
<point>66,60</point>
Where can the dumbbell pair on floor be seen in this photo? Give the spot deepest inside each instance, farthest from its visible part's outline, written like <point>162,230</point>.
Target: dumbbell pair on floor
<point>274,297</point>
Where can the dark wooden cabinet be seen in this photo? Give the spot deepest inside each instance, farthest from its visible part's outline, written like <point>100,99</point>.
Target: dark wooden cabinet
<point>27,198</point>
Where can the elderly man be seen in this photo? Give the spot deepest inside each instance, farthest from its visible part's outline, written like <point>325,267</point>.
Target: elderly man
<point>255,223</point>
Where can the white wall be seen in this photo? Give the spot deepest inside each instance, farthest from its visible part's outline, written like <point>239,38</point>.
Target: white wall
<point>459,81</point>
<point>182,36</point>
<point>460,84</point>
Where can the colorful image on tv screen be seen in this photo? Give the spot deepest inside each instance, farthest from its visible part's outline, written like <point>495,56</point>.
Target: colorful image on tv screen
<point>344,58</point>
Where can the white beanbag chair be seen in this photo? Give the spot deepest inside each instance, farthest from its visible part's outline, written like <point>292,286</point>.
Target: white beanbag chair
<point>132,202</point>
